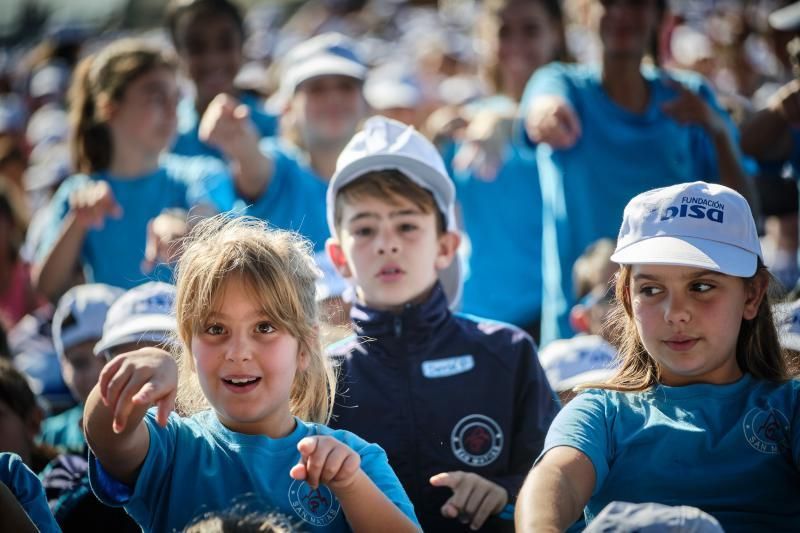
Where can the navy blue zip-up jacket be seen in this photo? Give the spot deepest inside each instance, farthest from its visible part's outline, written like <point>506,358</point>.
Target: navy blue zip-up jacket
<point>443,392</point>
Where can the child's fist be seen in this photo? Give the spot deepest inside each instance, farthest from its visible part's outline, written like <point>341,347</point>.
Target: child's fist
<point>92,203</point>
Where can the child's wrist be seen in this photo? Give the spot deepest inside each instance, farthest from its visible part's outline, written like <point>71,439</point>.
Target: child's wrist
<point>345,488</point>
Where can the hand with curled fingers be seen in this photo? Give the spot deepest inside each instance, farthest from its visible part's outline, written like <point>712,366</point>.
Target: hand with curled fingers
<point>326,461</point>
<point>163,234</point>
<point>93,203</point>
<point>474,498</point>
<point>226,124</point>
<point>552,120</point>
<point>688,107</point>
<point>132,382</point>
<point>485,141</point>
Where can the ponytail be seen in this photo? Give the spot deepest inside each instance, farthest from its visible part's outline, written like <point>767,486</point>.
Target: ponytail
<point>90,142</point>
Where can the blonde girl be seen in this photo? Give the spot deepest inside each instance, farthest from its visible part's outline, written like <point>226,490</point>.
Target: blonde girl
<point>704,410</point>
<point>255,390</point>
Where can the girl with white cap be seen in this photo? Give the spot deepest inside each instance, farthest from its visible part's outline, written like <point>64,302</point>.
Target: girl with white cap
<point>703,410</point>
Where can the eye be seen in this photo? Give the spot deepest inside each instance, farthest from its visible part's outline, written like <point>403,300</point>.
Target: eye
<point>649,290</point>
<point>215,329</point>
<point>701,286</point>
<point>364,231</point>
<point>265,327</point>
<point>407,227</point>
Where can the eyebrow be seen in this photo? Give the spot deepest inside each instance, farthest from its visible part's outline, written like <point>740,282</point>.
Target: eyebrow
<point>695,273</point>
<point>392,214</point>
<point>220,315</point>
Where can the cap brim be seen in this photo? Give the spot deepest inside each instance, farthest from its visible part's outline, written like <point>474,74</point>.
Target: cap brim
<point>786,19</point>
<point>151,328</point>
<point>688,251</point>
<point>324,66</point>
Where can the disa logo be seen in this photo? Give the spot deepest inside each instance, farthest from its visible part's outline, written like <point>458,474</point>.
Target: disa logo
<point>693,211</point>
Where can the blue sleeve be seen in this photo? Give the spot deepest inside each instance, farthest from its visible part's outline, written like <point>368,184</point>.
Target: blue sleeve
<point>150,490</point>
<point>207,180</point>
<point>552,79</point>
<point>375,464</point>
<point>582,425</point>
<point>28,491</point>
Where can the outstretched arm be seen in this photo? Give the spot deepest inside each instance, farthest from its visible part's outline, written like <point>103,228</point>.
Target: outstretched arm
<point>113,415</point>
<point>555,492</point>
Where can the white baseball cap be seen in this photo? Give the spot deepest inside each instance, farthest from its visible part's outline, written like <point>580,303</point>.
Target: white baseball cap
<point>698,224</point>
<point>577,361</point>
<point>80,314</point>
<point>386,144</point>
<point>143,314</point>
<point>324,55</point>
<point>787,322</point>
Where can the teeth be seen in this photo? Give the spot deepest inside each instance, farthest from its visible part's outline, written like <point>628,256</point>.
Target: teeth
<point>240,381</point>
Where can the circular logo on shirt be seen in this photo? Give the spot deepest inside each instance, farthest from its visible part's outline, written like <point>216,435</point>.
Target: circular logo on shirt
<point>766,430</point>
<point>476,440</point>
<point>317,506</point>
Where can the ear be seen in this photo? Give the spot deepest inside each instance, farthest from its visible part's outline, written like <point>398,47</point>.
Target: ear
<point>579,318</point>
<point>755,291</point>
<point>337,257</point>
<point>105,108</point>
<point>448,246</point>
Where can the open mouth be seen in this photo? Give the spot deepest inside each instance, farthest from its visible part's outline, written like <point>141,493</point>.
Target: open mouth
<point>241,384</point>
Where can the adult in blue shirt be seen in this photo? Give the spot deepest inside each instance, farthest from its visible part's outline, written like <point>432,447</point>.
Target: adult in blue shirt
<point>208,36</point>
<point>608,132</point>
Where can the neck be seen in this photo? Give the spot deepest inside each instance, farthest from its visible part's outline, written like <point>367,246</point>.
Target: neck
<point>394,309</point>
<point>275,426</point>
<point>623,82</point>
<point>323,160</point>
<point>132,161</point>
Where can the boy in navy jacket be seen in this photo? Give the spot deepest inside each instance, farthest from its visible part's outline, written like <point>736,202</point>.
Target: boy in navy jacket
<point>460,404</point>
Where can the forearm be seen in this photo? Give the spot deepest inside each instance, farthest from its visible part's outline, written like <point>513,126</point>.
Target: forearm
<point>547,502</point>
<point>367,509</point>
<point>252,172</point>
<point>731,173</point>
<point>54,273</point>
<point>121,454</point>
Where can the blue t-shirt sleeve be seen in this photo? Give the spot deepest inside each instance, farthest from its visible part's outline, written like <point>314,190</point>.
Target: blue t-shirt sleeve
<point>57,210</point>
<point>28,491</point>
<point>582,424</point>
<point>375,464</point>
<point>150,490</point>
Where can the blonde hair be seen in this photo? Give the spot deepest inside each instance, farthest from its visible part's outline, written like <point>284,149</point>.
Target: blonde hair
<point>758,350</point>
<point>278,267</point>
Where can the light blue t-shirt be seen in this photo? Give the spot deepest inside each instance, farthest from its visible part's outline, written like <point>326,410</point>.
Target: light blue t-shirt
<point>27,489</point>
<point>294,199</point>
<point>503,219</point>
<point>196,465</point>
<point>64,430</point>
<point>620,154</point>
<point>731,450</point>
<point>114,253</point>
<point>187,140</point>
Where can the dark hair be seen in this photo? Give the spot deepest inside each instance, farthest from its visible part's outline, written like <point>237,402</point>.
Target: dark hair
<point>178,8</point>
<point>108,73</point>
<point>15,391</point>
<point>758,350</point>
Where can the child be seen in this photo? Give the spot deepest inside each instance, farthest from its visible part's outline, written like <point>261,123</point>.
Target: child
<point>77,326</point>
<point>703,411</point>
<point>208,36</point>
<point>390,211</point>
<point>117,220</point>
<point>251,372</point>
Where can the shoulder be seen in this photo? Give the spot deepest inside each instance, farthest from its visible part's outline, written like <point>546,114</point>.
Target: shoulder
<point>187,169</point>
<point>494,336</point>
<point>343,348</point>
<point>353,441</point>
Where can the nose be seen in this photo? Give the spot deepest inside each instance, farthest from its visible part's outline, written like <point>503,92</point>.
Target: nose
<point>387,243</point>
<point>677,309</point>
<point>239,349</point>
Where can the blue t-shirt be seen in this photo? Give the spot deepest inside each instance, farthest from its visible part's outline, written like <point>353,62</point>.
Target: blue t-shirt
<point>620,154</point>
<point>28,491</point>
<point>503,220</point>
<point>294,199</point>
<point>187,140</point>
<point>196,465</point>
<point>64,430</point>
<point>731,450</point>
<point>114,253</point>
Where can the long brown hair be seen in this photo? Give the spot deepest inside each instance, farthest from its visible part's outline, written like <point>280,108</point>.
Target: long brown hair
<point>758,350</point>
<point>279,269</point>
<point>105,74</point>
